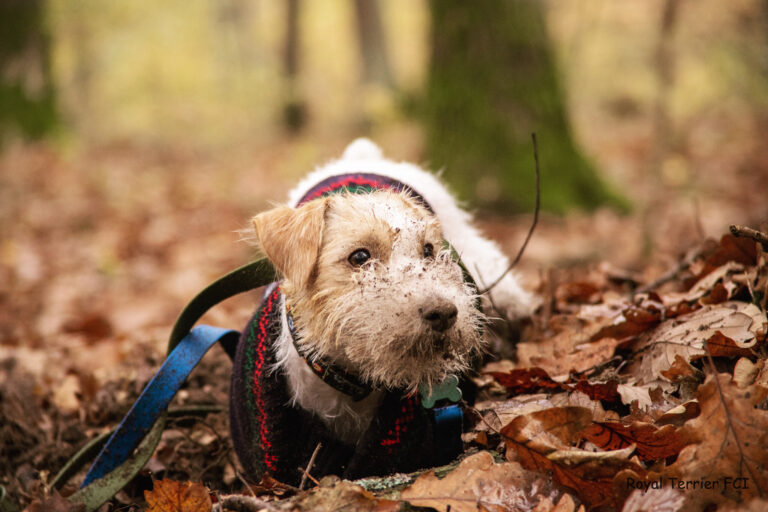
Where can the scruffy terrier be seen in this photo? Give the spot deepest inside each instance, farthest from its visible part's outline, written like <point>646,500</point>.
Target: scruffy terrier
<point>373,311</point>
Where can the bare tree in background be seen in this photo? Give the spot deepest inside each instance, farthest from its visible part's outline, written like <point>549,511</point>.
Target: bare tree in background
<point>27,93</point>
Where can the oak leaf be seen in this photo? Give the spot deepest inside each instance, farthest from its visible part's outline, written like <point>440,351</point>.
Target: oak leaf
<point>542,441</point>
<point>172,496</point>
<point>650,442</point>
<point>685,336</point>
<point>733,443</point>
<point>478,483</point>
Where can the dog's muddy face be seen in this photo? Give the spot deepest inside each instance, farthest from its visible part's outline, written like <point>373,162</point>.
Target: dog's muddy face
<point>371,287</point>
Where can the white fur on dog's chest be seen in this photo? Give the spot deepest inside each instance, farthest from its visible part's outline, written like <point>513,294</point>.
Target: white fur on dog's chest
<point>346,418</point>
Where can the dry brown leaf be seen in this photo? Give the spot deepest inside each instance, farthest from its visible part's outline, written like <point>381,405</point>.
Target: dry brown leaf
<point>55,503</point>
<point>739,250</point>
<point>477,481</point>
<point>650,442</point>
<point>630,393</point>
<point>681,370</point>
<point>579,399</point>
<point>336,494</point>
<point>569,349</point>
<point>745,371</point>
<point>532,438</point>
<point>679,415</point>
<point>753,505</point>
<point>733,451</point>
<point>566,504</point>
<point>527,380</point>
<point>685,336</point>
<point>172,496</point>
<point>654,500</point>
<point>633,321</point>
<point>704,285</point>
<point>497,414</point>
<point>578,292</point>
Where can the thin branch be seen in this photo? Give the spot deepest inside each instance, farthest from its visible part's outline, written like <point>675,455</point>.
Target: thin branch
<point>671,274</point>
<point>309,467</point>
<point>535,218</point>
<point>757,236</point>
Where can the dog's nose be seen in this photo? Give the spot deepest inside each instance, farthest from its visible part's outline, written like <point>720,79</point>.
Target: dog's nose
<point>440,315</point>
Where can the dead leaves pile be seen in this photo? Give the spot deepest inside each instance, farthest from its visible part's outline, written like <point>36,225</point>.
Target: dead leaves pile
<point>655,401</point>
<point>651,401</point>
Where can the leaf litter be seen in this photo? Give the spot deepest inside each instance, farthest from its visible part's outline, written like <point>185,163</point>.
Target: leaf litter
<point>609,392</point>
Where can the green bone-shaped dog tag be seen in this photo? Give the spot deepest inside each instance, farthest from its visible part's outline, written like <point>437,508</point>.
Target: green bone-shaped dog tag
<point>449,389</point>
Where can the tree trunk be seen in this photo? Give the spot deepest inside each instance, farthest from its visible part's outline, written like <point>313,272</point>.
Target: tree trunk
<point>372,45</point>
<point>294,108</point>
<point>492,83</point>
<point>27,95</point>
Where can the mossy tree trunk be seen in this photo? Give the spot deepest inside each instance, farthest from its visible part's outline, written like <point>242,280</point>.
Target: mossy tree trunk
<point>27,94</point>
<point>492,83</point>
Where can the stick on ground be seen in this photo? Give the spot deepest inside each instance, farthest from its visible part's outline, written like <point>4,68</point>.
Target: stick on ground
<point>535,219</point>
<point>757,236</point>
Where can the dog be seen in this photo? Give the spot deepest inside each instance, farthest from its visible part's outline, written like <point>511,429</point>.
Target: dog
<point>377,302</point>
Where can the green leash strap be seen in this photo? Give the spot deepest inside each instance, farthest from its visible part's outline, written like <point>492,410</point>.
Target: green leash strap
<point>248,277</point>
<point>243,279</point>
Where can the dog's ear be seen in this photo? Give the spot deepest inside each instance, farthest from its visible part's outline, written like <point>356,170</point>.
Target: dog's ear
<point>291,238</point>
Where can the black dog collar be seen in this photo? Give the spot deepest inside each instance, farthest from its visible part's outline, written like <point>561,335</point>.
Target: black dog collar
<point>336,377</point>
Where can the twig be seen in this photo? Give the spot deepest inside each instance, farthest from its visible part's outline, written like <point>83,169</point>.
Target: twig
<point>671,274</point>
<point>535,218</point>
<point>757,236</point>
<point>309,467</point>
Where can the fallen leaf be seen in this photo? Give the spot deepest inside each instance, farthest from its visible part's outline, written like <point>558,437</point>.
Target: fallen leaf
<point>478,481</point>
<point>704,285</point>
<point>739,250</point>
<point>665,499</point>
<point>650,442</point>
<point>630,393</point>
<point>680,414</point>
<point>578,292</point>
<point>532,438</point>
<point>681,370</point>
<point>527,380</point>
<point>733,445</point>
<point>579,399</point>
<point>94,326</point>
<point>566,504</point>
<point>336,494</point>
<point>172,496</point>
<point>54,503</point>
<point>606,391</point>
<point>569,349</point>
<point>745,371</point>
<point>686,336</point>
<point>633,321</point>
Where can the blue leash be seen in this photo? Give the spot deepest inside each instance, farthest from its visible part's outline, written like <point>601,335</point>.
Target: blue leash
<point>155,398</point>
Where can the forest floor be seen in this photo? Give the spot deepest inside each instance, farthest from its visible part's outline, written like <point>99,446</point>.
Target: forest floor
<point>102,248</point>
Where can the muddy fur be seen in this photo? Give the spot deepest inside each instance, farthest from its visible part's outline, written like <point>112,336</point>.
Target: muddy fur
<point>373,318</point>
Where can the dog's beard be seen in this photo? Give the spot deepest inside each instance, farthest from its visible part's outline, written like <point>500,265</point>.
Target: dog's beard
<point>374,329</point>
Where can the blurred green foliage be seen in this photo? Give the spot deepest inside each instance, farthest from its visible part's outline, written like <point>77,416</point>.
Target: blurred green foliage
<point>27,94</point>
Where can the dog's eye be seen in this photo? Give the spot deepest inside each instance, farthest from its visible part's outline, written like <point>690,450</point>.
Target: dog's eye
<point>429,251</point>
<point>359,257</point>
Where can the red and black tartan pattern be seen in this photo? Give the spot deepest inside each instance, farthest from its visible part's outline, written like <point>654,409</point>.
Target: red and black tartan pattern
<point>356,183</point>
<point>271,436</point>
